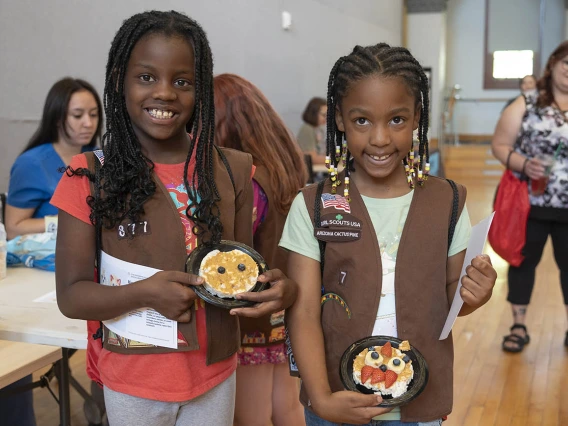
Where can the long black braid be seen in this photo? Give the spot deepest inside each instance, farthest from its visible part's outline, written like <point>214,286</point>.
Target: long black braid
<point>126,178</point>
<point>384,60</point>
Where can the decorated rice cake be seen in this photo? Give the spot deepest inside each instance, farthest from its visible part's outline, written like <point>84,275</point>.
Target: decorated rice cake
<point>384,369</point>
<point>227,274</point>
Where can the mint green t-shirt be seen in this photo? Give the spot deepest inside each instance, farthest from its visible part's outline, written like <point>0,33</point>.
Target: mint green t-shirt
<point>388,216</point>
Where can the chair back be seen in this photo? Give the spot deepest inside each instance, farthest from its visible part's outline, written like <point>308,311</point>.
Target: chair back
<point>310,167</point>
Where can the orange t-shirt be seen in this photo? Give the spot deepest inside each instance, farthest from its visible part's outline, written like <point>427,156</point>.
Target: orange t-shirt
<point>171,377</point>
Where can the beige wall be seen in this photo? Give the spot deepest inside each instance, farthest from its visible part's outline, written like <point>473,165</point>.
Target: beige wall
<point>42,41</point>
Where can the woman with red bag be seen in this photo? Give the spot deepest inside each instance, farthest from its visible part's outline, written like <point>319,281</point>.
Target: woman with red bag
<point>531,139</point>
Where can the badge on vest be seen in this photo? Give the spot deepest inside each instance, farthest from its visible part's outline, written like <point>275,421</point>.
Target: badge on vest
<point>293,367</point>
<point>332,297</point>
<point>340,221</point>
<point>338,228</point>
<point>336,201</point>
<point>132,230</point>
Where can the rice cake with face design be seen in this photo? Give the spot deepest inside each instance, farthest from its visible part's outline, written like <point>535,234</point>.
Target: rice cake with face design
<point>227,274</point>
<point>384,369</point>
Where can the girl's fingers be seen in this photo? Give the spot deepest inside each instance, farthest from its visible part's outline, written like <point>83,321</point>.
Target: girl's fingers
<point>260,296</point>
<point>483,265</point>
<point>181,277</point>
<point>475,275</point>
<point>472,293</point>
<point>362,400</point>
<point>270,276</point>
<point>185,317</point>
<point>257,311</point>
<point>468,296</point>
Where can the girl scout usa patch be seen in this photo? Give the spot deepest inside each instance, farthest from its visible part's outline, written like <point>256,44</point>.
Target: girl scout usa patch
<point>337,227</point>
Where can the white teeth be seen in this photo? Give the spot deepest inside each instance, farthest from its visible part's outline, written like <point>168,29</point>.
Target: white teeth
<point>382,157</point>
<point>158,113</point>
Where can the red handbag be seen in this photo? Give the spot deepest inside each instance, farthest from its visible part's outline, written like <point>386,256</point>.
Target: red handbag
<point>508,231</point>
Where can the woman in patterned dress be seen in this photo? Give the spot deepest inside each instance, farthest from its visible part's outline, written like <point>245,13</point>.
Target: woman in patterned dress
<point>531,127</point>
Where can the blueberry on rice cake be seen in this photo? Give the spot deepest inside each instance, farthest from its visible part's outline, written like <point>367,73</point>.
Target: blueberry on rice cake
<point>227,274</point>
<point>384,369</point>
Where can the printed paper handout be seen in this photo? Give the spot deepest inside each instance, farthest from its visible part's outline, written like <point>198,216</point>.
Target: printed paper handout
<point>475,248</point>
<point>142,327</point>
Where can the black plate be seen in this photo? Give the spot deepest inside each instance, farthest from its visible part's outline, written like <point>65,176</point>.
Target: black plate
<point>416,385</point>
<point>193,264</point>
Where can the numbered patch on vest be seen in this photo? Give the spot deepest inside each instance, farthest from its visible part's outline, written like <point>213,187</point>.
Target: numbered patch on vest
<point>338,227</point>
<point>132,230</point>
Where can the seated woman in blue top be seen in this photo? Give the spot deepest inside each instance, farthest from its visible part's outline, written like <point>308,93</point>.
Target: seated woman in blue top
<point>71,123</point>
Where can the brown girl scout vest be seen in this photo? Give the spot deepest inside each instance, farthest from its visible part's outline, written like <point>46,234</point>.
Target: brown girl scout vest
<point>267,330</point>
<point>163,247</point>
<point>353,271</point>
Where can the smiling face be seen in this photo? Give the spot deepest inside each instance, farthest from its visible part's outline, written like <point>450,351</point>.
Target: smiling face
<point>378,116</point>
<point>159,90</point>
<point>82,120</point>
<point>228,273</point>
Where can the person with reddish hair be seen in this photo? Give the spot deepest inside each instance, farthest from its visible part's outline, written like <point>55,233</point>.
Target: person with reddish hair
<point>245,121</point>
<point>532,131</point>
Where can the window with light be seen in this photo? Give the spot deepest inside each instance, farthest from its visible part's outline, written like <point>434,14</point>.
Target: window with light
<point>512,64</point>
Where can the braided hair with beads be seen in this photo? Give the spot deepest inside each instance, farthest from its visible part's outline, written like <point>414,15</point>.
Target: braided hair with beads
<point>126,178</point>
<point>385,61</point>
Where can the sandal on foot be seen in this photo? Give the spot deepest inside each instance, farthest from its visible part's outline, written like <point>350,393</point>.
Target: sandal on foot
<point>519,341</point>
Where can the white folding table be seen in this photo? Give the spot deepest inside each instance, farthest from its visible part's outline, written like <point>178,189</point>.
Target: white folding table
<point>24,318</point>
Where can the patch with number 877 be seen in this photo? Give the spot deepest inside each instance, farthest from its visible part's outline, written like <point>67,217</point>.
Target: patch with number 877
<point>132,230</point>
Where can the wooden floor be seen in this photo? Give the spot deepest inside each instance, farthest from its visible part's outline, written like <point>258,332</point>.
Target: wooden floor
<point>491,387</point>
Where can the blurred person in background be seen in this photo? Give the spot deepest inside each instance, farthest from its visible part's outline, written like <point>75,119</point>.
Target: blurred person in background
<point>71,123</point>
<point>527,84</point>
<point>532,131</point>
<point>245,120</point>
<point>311,136</point>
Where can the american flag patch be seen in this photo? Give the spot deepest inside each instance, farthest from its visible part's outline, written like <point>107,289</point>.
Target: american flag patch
<point>100,156</point>
<point>337,201</point>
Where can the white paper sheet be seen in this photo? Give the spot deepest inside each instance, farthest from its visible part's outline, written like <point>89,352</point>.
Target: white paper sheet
<point>142,325</point>
<point>475,248</point>
<point>50,297</point>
